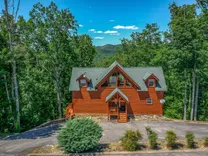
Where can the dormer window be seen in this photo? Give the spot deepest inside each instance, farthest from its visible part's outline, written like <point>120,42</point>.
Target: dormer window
<point>83,82</point>
<point>151,82</point>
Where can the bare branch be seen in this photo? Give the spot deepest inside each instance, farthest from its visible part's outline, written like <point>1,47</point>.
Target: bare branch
<point>18,5</point>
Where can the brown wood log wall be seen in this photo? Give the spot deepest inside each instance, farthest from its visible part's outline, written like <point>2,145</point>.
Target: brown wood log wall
<point>94,101</point>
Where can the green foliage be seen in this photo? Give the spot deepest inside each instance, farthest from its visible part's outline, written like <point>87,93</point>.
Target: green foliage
<point>45,52</point>
<point>170,138</point>
<point>130,139</point>
<point>106,51</point>
<point>190,139</point>
<point>206,141</point>
<point>79,135</point>
<point>152,137</point>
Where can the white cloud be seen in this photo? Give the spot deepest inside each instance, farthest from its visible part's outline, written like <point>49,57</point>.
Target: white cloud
<point>99,32</point>
<point>99,38</point>
<point>115,34</point>
<point>91,30</point>
<point>111,20</point>
<point>80,25</point>
<point>110,32</point>
<point>131,27</point>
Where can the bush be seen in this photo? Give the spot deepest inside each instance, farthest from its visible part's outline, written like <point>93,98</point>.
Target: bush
<point>190,139</point>
<point>171,139</point>
<point>152,137</point>
<point>206,141</point>
<point>129,140</point>
<point>79,135</point>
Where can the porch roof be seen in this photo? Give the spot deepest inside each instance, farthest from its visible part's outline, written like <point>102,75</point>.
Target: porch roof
<point>116,90</point>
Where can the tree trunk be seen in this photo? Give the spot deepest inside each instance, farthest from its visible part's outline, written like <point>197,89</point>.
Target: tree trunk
<point>58,90</point>
<point>7,92</point>
<point>185,88</point>
<point>196,98</point>
<point>16,91</point>
<point>10,27</point>
<point>193,92</point>
<point>8,98</point>
<point>189,105</point>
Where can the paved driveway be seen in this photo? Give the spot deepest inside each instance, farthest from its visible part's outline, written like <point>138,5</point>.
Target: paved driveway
<point>113,131</point>
<point>21,144</point>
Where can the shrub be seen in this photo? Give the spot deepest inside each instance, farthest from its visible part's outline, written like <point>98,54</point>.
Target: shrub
<point>206,141</point>
<point>171,139</point>
<point>190,139</point>
<point>152,137</point>
<point>129,140</point>
<point>79,135</point>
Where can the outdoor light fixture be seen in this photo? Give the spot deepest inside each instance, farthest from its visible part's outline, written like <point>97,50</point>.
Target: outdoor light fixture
<point>162,101</point>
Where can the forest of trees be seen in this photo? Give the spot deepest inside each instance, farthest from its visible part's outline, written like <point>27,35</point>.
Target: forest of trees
<point>37,56</point>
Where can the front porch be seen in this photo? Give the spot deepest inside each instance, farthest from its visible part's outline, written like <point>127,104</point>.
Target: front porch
<point>117,106</point>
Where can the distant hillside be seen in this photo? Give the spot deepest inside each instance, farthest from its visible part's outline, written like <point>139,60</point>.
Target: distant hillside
<point>106,51</point>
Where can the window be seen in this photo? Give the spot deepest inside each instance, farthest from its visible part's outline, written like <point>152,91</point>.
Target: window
<point>151,82</point>
<point>83,82</point>
<point>120,80</point>
<point>112,80</point>
<point>148,101</point>
<point>128,83</point>
<point>105,84</point>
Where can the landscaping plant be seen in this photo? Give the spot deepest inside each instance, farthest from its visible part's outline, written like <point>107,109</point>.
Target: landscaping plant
<point>79,135</point>
<point>206,141</point>
<point>152,137</point>
<point>190,139</point>
<point>171,139</point>
<point>130,139</point>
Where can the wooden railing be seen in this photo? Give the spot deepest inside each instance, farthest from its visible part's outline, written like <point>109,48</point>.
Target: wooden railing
<point>113,110</point>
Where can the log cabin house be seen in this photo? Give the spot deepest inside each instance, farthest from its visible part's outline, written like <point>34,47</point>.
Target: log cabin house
<point>117,91</point>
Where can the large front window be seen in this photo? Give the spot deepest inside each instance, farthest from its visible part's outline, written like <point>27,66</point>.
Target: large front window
<point>120,80</point>
<point>116,80</point>
<point>112,80</point>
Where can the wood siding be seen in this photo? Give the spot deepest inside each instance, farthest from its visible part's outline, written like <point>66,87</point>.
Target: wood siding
<point>94,101</point>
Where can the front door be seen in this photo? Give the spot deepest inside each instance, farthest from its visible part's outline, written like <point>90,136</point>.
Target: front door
<point>122,107</point>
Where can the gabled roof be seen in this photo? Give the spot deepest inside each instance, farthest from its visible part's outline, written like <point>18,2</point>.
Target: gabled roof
<point>115,63</point>
<point>148,74</point>
<point>137,74</point>
<point>83,76</point>
<point>115,91</point>
<point>113,66</point>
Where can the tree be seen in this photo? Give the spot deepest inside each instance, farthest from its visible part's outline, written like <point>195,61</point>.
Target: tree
<point>10,19</point>
<point>141,44</point>
<point>186,38</point>
<point>48,38</point>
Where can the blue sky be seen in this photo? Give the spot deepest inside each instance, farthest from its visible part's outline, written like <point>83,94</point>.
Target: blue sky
<point>107,21</point>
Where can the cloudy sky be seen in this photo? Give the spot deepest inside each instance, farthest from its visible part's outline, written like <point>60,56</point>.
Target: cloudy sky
<point>107,21</point>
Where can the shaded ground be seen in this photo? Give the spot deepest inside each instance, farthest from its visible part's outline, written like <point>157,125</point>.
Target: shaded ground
<point>112,131</point>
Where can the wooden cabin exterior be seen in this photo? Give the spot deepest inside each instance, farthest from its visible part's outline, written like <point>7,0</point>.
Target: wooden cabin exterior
<point>117,91</point>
